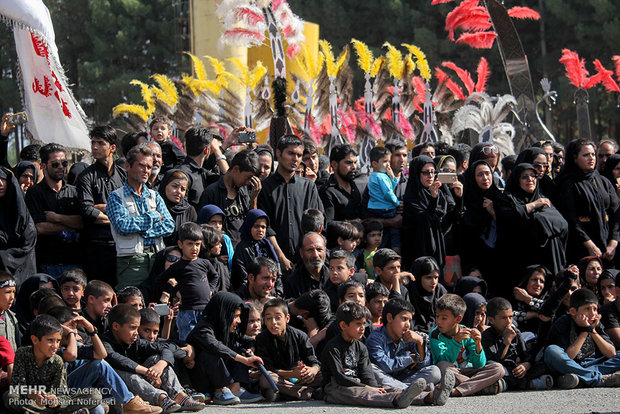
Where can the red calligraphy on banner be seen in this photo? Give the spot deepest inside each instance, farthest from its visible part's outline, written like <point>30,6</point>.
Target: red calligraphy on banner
<point>45,87</point>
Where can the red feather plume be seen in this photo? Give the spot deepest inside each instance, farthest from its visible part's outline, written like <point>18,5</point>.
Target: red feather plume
<point>523,13</point>
<point>482,40</point>
<point>435,2</point>
<point>575,68</point>
<point>483,75</point>
<point>463,75</point>
<point>460,13</point>
<point>404,125</point>
<point>420,93</point>
<point>603,76</point>
<point>616,60</point>
<point>367,121</point>
<point>450,84</point>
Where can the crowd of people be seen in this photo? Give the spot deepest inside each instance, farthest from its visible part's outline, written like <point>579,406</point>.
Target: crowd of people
<point>167,275</point>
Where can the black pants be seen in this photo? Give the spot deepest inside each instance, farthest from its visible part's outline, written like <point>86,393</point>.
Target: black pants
<point>219,372</point>
<point>100,263</point>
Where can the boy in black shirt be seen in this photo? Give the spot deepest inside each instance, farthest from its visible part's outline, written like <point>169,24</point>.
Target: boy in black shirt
<point>347,374</point>
<point>287,354</point>
<point>502,342</point>
<point>195,277</point>
<point>579,349</point>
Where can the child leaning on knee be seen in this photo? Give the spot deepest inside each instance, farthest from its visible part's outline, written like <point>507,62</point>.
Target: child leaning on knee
<point>502,342</point>
<point>458,348</point>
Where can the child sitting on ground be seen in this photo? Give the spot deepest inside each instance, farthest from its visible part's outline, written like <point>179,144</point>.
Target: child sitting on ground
<point>131,295</point>
<point>578,349</point>
<point>373,235</point>
<point>400,355</point>
<point>341,269</point>
<point>8,321</point>
<point>459,349</point>
<point>341,235</point>
<point>288,355</point>
<point>72,285</point>
<point>218,352</point>
<point>424,292</point>
<point>39,366</point>
<point>146,367</point>
<point>475,312</point>
<point>376,297</point>
<point>211,250</point>
<point>348,377</point>
<point>503,343</point>
<point>195,278</point>
<point>100,298</point>
<point>386,264</point>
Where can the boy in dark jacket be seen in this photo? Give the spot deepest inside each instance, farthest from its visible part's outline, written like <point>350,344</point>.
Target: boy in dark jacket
<point>348,377</point>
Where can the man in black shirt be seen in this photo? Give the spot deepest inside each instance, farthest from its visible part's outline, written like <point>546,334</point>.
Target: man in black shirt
<point>93,187</point>
<point>311,273</point>
<point>235,192</point>
<point>340,196</point>
<point>199,143</point>
<point>55,209</point>
<point>285,197</point>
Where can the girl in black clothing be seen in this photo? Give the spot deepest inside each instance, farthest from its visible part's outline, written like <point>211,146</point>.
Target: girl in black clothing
<point>611,171</point>
<point>589,203</point>
<point>424,293</point>
<point>535,231</point>
<point>537,157</point>
<point>425,208</point>
<point>479,227</point>
<point>173,190</point>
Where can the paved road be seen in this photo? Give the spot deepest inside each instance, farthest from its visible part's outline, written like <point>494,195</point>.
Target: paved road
<point>599,400</point>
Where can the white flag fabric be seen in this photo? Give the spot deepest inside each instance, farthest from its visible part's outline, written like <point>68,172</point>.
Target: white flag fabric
<point>53,113</point>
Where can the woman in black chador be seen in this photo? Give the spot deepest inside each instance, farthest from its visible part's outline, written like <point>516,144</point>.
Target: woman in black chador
<point>589,203</point>
<point>535,231</point>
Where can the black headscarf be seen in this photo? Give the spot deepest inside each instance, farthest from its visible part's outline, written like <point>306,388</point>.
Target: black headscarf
<point>181,212</point>
<point>423,301</point>
<point>514,186</point>
<point>528,155</point>
<point>261,246</point>
<point>18,234</point>
<point>220,312</point>
<point>415,191</point>
<point>22,300</point>
<point>474,197</point>
<point>537,268</point>
<point>608,169</point>
<point>473,302</point>
<point>466,285</point>
<point>545,184</point>
<point>23,166</point>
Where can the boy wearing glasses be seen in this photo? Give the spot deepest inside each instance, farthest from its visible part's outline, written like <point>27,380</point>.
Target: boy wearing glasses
<point>55,209</point>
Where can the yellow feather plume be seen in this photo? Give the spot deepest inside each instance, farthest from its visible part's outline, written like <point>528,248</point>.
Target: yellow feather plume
<point>341,59</point>
<point>244,71</point>
<point>326,48</point>
<point>256,74</point>
<point>310,67</point>
<point>137,110</point>
<point>147,95</point>
<point>395,61</point>
<point>376,66</point>
<point>218,66</point>
<point>199,67</point>
<point>364,55</point>
<point>166,92</point>
<point>421,61</point>
<point>409,65</point>
<point>196,86</point>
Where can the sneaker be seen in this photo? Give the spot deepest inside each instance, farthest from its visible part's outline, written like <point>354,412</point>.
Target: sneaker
<point>168,405</point>
<point>406,397</point>
<point>544,382</point>
<point>225,397</point>
<point>246,397</point>
<point>568,381</point>
<point>610,380</point>
<point>189,404</point>
<point>138,406</point>
<point>196,396</point>
<point>445,388</point>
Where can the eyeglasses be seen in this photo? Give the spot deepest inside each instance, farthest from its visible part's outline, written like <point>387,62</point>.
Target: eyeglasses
<point>489,149</point>
<point>528,177</point>
<point>172,258</point>
<point>427,173</point>
<point>539,166</point>
<point>56,164</point>
<point>447,170</point>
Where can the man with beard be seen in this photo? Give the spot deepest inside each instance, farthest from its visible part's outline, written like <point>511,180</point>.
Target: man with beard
<point>157,172</point>
<point>139,220</point>
<point>312,272</point>
<point>341,197</point>
<point>55,209</point>
<point>94,186</point>
<point>261,283</point>
<point>285,197</point>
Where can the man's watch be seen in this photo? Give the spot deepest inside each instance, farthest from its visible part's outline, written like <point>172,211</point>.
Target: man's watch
<point>94,332</point>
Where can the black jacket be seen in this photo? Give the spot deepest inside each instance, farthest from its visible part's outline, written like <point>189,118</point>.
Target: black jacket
<point>287,354</point>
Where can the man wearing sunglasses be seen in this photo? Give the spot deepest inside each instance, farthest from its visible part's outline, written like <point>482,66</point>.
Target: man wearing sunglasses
<point>55,208</point>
